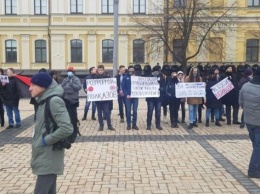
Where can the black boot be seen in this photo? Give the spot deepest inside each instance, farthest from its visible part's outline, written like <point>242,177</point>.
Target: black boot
<point>93,117</point>
<point>190,126</point>
<point>195,124</point>
<point>84,117</point>
<point>183,120</point>
<point>207,123</point>
<point>217,123</point>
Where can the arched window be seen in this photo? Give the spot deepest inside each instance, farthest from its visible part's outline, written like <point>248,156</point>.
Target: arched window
<point>252,50</point>
<point>107,51</point>
<point>76,51</point>
<point>40,51</point>
<point>138,51</point>
<point>11,51</point>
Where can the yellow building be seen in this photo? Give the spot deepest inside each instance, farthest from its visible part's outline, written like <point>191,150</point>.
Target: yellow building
<point>60,33</point>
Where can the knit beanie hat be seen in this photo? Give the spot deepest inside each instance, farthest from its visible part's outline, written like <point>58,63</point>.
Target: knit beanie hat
<point>248,72</point>
<point>42,79</point>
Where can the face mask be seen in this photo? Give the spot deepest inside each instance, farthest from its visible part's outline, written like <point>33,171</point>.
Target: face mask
<point>131,73</point>
<point>69,73</point>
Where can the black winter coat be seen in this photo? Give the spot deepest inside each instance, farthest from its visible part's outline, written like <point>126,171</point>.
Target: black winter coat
<point>231,98</point>
<point>211,101</point>
<point>10,93</point>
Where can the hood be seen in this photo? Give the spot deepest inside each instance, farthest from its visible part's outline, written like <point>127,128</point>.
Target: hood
<point>53,89</point>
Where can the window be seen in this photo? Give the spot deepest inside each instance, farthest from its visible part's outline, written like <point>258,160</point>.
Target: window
<point>10,7</point>
<point>76,6</point>
<point>76,51</point>
<point>139,6</point>
<point>40,51</point>
<point>252,50</point>
<point>10,51</point>
<point>107,6</point>
<point>138,51</point>
<point>177,49</point>
<point>40,7</point>
<point>107,51</point>
<point>253,3</point>
<point>179,3</point>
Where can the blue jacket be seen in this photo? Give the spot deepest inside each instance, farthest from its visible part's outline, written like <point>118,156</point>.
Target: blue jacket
<point>126,85</point>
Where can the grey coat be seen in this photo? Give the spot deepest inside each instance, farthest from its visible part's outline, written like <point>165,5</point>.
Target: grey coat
<point>45,160</point>
<point>71,86</point>
<point>249,100</point>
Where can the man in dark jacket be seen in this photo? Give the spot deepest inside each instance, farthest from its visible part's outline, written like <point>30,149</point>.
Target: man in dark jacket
<point>120,97</point>
<point>129,102</point>
<point>249,100</point>
<point>231,98</point>
<point>47,162</point>
<point>92,75</point>
<point>11,99</point>
<point>103,106</point>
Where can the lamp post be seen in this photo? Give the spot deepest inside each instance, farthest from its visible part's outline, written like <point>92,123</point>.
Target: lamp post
<point>115,46</point>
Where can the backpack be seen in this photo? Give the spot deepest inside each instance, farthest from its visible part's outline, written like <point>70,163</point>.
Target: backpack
<point>65,143</point>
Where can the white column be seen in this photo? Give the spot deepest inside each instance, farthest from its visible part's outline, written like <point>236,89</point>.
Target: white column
<point>92,51</point>
<point>58,51</point>
<point>123,50</point>
<point>25,51</point>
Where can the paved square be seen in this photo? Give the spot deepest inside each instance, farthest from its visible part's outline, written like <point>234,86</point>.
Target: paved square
<point>202,160</point>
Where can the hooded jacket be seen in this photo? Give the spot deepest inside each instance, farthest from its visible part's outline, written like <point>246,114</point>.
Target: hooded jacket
<point>44,159</point>
<point>194,100</point>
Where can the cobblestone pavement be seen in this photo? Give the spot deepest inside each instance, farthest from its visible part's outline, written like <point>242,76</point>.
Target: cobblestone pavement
<point>202,160</point>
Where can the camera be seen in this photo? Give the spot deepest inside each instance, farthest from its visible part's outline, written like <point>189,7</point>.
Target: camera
<point>62,144</point>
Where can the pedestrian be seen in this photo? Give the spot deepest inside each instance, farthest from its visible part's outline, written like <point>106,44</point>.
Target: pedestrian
<point>2,113</point>
<point>183,100</point>
<point>120,97</point>
<point>249,101</point>
<point>47,162</point>
<point>92,75</point>
<point>71,85</point>
<point>54,75</point>
<point>193,102</point>
<point>129,101</point>
<point>103,106</point>
<point>11,99</point>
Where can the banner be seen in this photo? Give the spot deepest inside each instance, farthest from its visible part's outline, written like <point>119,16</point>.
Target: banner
<point>222,88</point>
<point>4,78</point>
<point>190,89</point>
<point>143,87</point>
<point>101,89</point>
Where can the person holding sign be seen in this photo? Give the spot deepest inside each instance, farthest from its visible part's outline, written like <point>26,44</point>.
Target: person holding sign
<point>130,102</point>
<point>193,102</point>
<point>249,101</point>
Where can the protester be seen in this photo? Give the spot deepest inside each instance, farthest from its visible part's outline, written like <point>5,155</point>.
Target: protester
<point>183,100</point>
<point>72,86</point>
<point>120,97</point>
<point>46,162</point>
<point>193,102</point>
<point>231,98</point>
<point>54,75</point>
<point>11,99</point>
<point>212,103</point>
<point>245,77</point>
<point>2,101</point>
<point>103,106</point>
<point>129,101</point>
<point>92,75</point>
<point>249,101</point>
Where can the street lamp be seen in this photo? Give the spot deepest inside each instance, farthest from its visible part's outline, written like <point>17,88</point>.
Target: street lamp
<point>115,46</point>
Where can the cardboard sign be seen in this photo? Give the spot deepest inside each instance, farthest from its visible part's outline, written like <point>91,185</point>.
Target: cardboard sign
<point>143,87</point>
<point>4,78</point>
<point>190,89</point>
<point>101,89</point>
<point>222,88</point>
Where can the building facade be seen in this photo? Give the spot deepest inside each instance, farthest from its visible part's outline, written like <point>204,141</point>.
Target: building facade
<point>55,34</point>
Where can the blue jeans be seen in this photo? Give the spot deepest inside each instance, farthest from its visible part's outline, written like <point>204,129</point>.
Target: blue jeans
<point>129,103</point>
<point>154,104</point>
<point>193,110</point>
<point>216,113</point>
<point>254,135</point>
<point>10,110</point>
<point>94,107</point>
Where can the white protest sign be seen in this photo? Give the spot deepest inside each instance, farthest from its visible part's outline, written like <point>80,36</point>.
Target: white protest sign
<point>222,88</point>
<point>4,78</point>
<point>190,89</point>
<point>101,89</point>
<point>143,87</point>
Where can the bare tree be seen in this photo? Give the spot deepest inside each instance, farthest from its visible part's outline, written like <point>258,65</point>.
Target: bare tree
<point>182,24</point>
